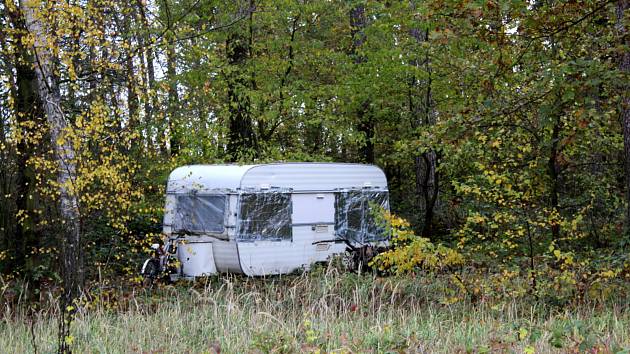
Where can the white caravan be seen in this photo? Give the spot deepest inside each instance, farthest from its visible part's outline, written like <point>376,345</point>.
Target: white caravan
<point>271,218</point>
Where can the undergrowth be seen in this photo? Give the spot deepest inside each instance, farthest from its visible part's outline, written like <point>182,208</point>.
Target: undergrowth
<point>325,310</point>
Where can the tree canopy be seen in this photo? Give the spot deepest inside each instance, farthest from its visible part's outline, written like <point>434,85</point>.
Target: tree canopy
<point>502,126</point>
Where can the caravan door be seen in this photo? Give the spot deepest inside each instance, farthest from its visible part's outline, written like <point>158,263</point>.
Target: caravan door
<point>314,225</point>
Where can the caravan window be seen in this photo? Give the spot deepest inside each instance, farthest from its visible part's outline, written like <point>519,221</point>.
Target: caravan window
<point>265,216</point>
<point>200,213</point>
<point>356,215</point>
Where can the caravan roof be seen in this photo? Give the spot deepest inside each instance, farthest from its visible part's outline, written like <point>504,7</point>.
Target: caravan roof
<point>297,176</point>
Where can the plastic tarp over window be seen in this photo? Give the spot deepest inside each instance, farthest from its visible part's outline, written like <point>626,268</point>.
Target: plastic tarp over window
<point>356,214</point>
<point>265,215</point>
<point>200,213</point>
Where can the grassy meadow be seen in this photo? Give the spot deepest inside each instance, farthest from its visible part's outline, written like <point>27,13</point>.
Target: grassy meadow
<point>323,311</point>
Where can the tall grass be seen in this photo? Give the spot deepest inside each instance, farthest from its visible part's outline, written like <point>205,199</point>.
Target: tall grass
<point>324,310</point>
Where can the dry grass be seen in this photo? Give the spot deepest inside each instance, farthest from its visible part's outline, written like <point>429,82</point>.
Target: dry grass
<point>324,311</point>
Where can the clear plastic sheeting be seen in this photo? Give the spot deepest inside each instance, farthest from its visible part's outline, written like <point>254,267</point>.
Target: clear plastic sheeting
<point>356,215</point>
<point>264,215</point>
<point>199,213</point>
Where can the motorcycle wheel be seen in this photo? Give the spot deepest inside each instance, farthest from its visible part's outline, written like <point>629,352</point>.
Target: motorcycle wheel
<point>150,272</point>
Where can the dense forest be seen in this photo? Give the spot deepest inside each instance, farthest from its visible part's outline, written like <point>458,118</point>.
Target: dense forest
<point>503,127</point>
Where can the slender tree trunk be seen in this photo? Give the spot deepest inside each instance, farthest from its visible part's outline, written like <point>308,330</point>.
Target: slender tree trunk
<point>366,127</point>
<point>6,202</point>
<point>553,174</point>
<point>418,167</point>
<point>365,121</point>
<point>552,163</point>
<point>148,56</point>
<point>132,97</point>
<point>49,93</point>
<point>431,157</point>
<point>130,72</point>
<point>28,110</point>
<point>7,158</point>
<point>624,67</point>
<point>425,165</point>
<point>241,136</point>
<point>431,190</point>
<point>431,186</point>
<point>173,99</point>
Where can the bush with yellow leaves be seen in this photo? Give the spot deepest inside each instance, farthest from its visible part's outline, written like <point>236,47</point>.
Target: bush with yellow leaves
<point>410,252</point>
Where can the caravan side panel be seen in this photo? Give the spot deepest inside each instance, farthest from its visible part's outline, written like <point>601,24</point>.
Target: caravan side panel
<point>281,257</point>
<point>270,257</point>
<point>226,256</point>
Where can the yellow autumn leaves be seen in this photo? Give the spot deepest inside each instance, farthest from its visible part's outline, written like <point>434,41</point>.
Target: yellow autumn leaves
<point>411,252</point>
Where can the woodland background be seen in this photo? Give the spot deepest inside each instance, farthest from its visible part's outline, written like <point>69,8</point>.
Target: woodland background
<point>503,127</point>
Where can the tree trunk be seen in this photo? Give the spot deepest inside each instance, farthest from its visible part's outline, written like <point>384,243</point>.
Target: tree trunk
<point>48,90</point>
<point>624,67</point>
<point>425,165</point>
<point>553,174</point>
<point>430,190</point>
<point>148,55</point>
<point>6,201</point>
<point>28,110</point>
<point>365,121</point>
<point>130,72</point>
<point>175,143</point>
<point>366,128</point>
<point>241,136</point>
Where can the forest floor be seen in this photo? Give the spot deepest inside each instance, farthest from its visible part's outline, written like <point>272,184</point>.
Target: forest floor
<point>321,311</point>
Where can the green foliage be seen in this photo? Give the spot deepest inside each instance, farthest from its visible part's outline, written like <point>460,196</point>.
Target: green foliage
<point>505,111</point>
<point>410,253</point>
<point>266,342</point>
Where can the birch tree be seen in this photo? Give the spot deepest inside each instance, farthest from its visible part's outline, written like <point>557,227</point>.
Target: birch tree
<point>64,154</point>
